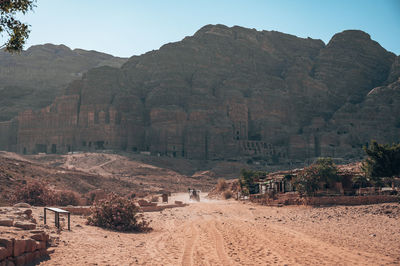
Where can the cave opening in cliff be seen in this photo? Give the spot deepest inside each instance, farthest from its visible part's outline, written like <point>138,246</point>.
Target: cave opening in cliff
<point>100,145</point>
<point>54,148</point>
<point>41,148</point>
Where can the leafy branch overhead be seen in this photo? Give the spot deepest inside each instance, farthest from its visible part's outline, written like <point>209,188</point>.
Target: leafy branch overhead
<point>16,31</point>
<point>383,161</point>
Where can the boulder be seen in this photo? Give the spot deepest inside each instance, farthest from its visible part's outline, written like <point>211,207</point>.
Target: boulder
<point>25,226</point>
<point>22,205</point>
<point>145,203</point>
<point>3,253</point>
<point>43,252</point>
<point>19,247</point>
<point>7,263</point>
<point>20,260</point>
<point>36,231</point>
<point>36,255</point>
<point>41,245</point>
<point>39,236</point>
<point>6,222</point>
<point>8,245</point>
<point>30,245</point>
<point>28,257</point>
<point>28,213</point>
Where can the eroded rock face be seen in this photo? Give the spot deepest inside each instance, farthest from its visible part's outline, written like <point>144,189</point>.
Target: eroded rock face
<point>228,93</point>
<point>32,79</point>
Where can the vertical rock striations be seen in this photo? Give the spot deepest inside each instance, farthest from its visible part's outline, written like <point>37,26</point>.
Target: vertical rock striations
<point>229,93</point>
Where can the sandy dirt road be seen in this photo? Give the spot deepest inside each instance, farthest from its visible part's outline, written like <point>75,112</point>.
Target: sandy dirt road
<point>233,233</point>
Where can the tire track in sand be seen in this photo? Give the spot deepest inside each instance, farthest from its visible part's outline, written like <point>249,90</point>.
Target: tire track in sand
<point>219,244</point>
<point>191,236</point>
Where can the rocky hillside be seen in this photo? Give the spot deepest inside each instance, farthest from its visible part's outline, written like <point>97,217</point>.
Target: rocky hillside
<point>230,94</point>
<point>33,79</point>
<point>84,173</point>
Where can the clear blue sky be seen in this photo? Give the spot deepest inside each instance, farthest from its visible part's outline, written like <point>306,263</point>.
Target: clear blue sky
<point>130,27</point>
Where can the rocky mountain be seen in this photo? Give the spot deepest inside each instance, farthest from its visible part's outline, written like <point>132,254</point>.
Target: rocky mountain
<point>33,78</point>
<point>228,93</point>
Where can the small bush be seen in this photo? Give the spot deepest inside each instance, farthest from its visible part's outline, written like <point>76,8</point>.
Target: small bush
<point>118,213</point>
<point>34,193</point>
<point>222,185</point>
<point>227,194</point>
<point>38,193</point>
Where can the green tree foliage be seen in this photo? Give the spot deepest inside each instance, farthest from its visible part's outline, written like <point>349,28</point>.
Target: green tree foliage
<point>307,181</point>
<point>383,161</point>
<point>327,171</point>
<point>246,181</point>
<point>323,171</point>
<point>17,31</point>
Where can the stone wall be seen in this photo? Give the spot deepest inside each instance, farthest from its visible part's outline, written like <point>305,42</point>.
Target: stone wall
<point>293,198</point>
<point>350,200</point>
<point>21,242</point>
<point>22,251</point>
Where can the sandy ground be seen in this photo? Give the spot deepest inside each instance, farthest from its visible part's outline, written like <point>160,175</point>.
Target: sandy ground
<point>234,233</point>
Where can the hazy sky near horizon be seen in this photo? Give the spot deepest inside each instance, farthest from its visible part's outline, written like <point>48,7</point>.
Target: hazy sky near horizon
<point>129,27</point>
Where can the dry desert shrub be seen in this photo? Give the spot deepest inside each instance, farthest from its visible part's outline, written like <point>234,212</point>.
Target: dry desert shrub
<point>227,194</point>
<point>222,185</point>
<point>35,193</point>
<point>38,193</point>
<point>67,197</point>
<point>118,213</point>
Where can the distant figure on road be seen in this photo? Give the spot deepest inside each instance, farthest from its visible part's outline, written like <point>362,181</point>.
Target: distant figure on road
<point>194,194</point>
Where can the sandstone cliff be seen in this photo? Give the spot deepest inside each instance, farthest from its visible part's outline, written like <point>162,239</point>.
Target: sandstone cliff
<point>33,79</point>
<point>230,93</point>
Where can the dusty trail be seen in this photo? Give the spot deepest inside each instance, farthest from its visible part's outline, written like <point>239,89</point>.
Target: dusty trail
<point>232,233</point>
<point>191,236</point>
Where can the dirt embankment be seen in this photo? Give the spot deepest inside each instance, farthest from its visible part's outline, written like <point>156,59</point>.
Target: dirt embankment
<point>90,171</point>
